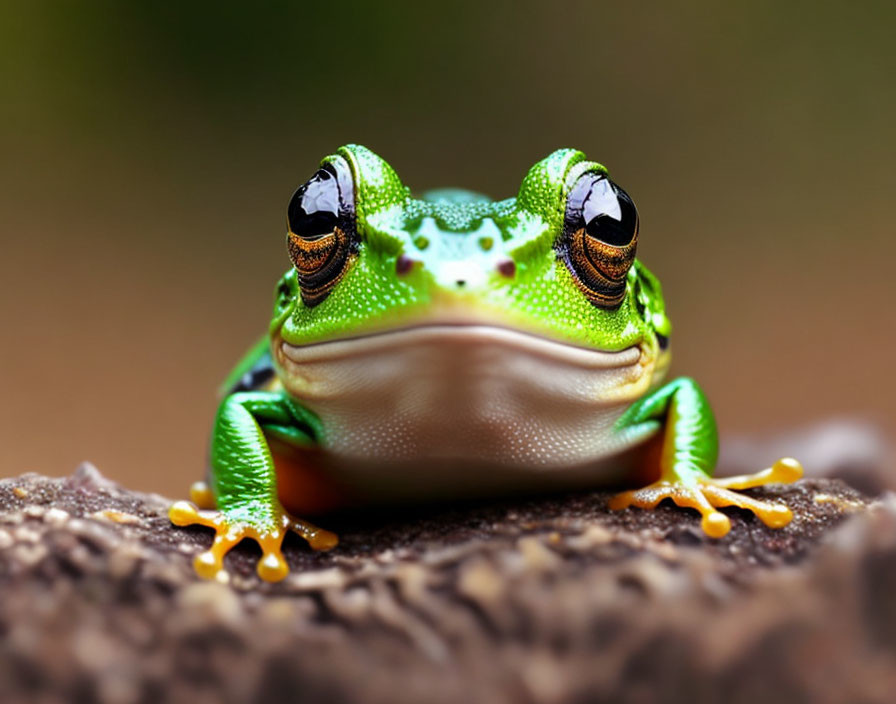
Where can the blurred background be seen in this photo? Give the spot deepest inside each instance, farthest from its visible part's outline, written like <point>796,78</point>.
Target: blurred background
<point>149,151</point>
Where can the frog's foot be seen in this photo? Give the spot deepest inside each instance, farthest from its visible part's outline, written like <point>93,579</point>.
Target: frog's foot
<point>706,494</point>
<point>272,566</point>
<point>202,495</point>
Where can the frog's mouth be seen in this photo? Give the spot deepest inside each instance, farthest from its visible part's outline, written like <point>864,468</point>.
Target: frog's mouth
<point>462,352</point>
<point>468,391</point>
<point>461,333</point>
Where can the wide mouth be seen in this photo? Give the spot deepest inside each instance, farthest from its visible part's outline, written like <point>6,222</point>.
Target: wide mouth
<point>462,334</point>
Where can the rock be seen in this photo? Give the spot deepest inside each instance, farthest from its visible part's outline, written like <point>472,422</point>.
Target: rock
<point>526,600</point>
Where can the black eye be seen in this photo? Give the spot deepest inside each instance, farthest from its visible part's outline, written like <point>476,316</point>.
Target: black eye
<point>322,239</point>
<point>609,214</point>
<point>600,236</point>
<point>314,207</point>
<point>605,211</point>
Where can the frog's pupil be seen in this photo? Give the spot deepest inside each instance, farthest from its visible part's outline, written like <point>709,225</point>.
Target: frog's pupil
<point>314,208</point>
<point>609,213</point>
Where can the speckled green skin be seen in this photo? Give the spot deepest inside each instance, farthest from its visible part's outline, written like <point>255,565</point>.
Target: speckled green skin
<point>455,227</point>
<point>541,297</point>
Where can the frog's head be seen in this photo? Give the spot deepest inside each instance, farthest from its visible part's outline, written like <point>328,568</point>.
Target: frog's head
<point>555,264</point>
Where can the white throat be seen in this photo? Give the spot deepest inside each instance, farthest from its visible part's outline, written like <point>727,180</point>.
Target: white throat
<point>465,395</point>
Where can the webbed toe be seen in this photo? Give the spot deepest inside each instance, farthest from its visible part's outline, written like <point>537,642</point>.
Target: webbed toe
<point>706,495</point>
<point>272,566</point>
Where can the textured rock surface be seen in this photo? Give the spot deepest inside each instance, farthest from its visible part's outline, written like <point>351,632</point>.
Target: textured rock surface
<point>548,600</point>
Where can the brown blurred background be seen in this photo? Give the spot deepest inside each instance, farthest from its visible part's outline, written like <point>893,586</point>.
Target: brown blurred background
<point>149,152</point>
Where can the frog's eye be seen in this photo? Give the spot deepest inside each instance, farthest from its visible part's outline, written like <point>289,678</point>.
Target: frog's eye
<point>600,235</point>
<point>322,239</point>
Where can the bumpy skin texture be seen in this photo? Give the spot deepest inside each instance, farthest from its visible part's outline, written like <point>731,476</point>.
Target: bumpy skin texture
<point>409,261</point>
<point>540,297</point>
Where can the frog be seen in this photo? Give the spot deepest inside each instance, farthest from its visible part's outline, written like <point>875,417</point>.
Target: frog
<point>450,347</point>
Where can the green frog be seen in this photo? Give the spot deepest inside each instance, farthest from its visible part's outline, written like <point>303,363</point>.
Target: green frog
<point>452,346</point>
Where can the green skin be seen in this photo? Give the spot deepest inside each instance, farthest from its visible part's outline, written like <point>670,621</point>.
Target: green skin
<point>372,296</point>
<point>541,298</point>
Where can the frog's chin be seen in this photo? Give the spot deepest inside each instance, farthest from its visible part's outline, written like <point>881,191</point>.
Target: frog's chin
<point>465,393</point>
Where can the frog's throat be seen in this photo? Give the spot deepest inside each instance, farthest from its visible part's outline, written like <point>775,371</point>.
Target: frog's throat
<point>472,392</point>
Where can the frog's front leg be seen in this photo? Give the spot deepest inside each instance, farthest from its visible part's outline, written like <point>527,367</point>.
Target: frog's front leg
<point>689,451</point>
<point>244,484</point>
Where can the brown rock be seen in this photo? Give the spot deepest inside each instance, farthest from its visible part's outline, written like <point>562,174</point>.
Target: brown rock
<point>528,600</point>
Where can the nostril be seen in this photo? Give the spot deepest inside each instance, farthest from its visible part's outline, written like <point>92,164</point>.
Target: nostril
<point>403,264</point>
<point>461,282</point>
<point>507,268</point>
<point>662,340</point>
